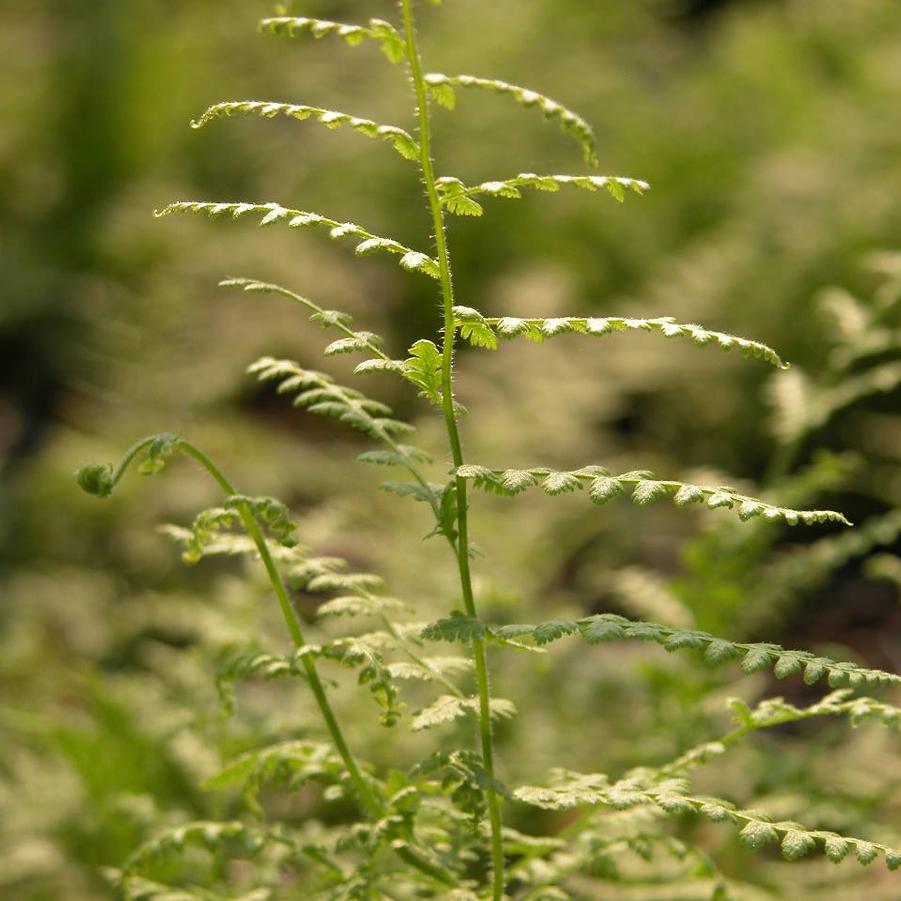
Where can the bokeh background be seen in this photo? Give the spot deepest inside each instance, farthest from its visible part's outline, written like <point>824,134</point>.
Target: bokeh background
<point>769,133</point>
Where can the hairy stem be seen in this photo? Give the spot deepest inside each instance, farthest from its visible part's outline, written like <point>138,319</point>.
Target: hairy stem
<point>450,417</point>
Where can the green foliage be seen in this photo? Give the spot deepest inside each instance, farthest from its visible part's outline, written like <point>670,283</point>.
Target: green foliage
<point>644,488</point>
<point>411,260</point>
<point>397,137</point>
<point>438,828</point>
<point>441,87</point>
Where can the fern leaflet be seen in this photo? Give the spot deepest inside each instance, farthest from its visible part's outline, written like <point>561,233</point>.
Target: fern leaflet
<point>385,33</point>
<point>442,87</point>
<point>402,142</point>
<point>538,329</point>
<point>411,260</point>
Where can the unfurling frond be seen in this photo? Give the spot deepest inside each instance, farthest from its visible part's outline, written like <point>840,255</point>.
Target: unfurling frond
<point>442,87</point>
<point>402,142</point>
<point>538,329</point>
<point>317,393</point>
<point>457,197</point>
<point>412,260</point>
<point>671,796</point>
<point>644,488</point>
<point>451,707</point>
<point>754,656</point>
<point>377,30</point>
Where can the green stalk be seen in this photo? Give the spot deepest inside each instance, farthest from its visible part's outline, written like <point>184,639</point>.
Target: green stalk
<point>450,417</point>
<point>368,799</point>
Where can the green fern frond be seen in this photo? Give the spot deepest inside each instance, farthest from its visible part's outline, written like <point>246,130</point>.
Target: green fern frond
<point>402,142</point>
<point>671,796</point>
<point>317,393</point>
<point>291,764</point>
<point>385,33</point>
<point>538,329</point>
<point>450,707</point>
<point>644,488</point>
<point>212,836</point>
<point>411,260</point>
<point>458,198</point>
<point>442,87</point>
<point>611,627</point>
<point>362,604</point>
<point>209,533</point>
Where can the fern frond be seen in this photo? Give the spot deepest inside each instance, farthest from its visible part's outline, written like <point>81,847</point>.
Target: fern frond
<point>671,796</point>
<point>411,260</point>
<point>457,197</point>
<point>291,764</point>
<point>402,142</point>
<point>362,604</point>
<point>212,836</point>
<point>603,627</point>
<point>442,87</point>
<point>644,488</point>
<point>317,393</point>
<point>538,329</point>
<point>450,707</point>
<point>385,33</point>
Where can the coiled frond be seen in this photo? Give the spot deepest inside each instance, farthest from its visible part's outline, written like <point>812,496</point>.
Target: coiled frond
<point>457,197</point>
<point>385,33</point>
<point>480,331</point>
<point>411,260</point>
<point>441,87</point>
<point>402,142</point>
<point>644,488</point>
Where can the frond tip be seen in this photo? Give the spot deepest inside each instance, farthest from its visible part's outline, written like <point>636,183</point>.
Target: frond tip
<point>644,488</point>
<point>538,329</point>
<point>457,197</point>
<point>402,142</point>
<point>442,87</point>
<point>385,33</point>
<point>411,260</point>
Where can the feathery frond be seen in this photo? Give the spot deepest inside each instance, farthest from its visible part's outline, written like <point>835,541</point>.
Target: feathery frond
<point>644,488</point>
<point>538,329</point>
<point>457,197</point>
<point>317,393</point>
<point>385,33</point>
<point>402,142</point>
<point>442,87</point>
<point>603,627</point>
<point>671,796</point>
<point>411,260</point>
<point>451,707</point>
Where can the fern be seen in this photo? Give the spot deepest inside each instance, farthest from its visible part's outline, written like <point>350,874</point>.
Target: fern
<point>644,488</point>
<point>392,44</point>
<point>397,137</point>
<point>441,87</point>
<point>411,260</point>
<point>437,830</point>
<point>457,197</point>
<point>538,329</point>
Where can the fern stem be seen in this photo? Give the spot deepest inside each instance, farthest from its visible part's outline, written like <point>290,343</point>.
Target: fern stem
<point>367,798</point>
<point>450,417</point>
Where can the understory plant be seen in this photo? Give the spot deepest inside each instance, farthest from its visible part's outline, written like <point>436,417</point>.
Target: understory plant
<point>442,827</point>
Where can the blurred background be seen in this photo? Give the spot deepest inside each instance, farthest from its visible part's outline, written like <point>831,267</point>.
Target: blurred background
<point>768,130</point>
